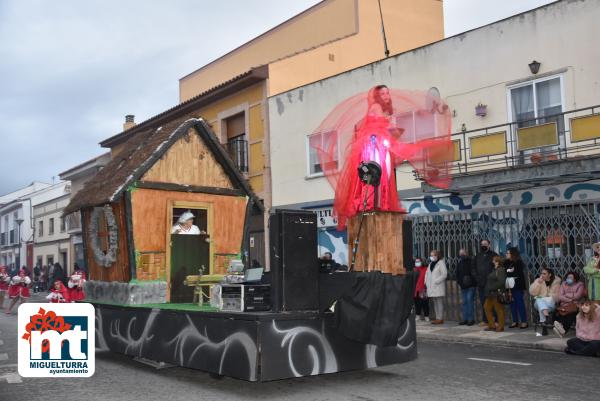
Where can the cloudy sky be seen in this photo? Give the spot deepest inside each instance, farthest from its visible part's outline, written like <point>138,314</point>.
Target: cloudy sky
<point>70,69</point>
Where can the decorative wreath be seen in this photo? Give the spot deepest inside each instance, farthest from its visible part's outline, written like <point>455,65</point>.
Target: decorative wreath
<point>108,258</point>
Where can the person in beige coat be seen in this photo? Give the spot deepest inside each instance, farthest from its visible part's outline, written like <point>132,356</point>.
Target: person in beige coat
<point>435,281</point>
<point>545,289</point>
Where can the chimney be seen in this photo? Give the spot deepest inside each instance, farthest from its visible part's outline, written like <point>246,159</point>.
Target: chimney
<point>129,122</point>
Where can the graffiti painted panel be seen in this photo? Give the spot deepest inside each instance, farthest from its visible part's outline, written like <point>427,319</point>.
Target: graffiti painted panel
<point>218,345</point>
<point>570,192</point>
<point>295,348</point>
<point>283,346</point>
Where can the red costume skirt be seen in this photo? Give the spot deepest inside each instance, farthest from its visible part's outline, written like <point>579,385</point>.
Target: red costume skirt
<point>18,290</point>
<point>76,294</point>
<point>3,286</point>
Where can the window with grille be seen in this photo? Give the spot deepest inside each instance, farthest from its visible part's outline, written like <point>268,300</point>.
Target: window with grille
<point>237,145</point>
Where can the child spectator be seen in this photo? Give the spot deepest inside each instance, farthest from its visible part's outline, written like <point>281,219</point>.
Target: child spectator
<point>587,329</point>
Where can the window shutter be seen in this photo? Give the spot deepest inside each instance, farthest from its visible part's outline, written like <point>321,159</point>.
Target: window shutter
<point>236,126</point>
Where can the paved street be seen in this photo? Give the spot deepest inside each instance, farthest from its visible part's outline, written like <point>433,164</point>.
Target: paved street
<point>442,372</point>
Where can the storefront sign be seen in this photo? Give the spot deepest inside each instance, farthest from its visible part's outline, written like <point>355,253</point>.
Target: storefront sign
<point>325,217</point>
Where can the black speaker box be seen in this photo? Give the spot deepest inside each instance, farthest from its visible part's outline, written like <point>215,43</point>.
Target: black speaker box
<point>294,260</point>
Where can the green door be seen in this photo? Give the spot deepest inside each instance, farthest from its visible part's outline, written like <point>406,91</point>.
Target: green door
<point>189,254</point>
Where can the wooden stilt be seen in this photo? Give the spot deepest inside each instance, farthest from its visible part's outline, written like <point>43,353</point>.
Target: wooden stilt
<point>381,242</point>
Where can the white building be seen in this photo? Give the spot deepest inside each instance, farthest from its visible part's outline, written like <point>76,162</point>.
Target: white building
<point>51,239</point>
<point>534,154</point>
<point>16,226</point>
<point>78,176</point>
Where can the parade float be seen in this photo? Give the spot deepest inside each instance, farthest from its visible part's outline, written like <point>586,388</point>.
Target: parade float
<point>147,279</point>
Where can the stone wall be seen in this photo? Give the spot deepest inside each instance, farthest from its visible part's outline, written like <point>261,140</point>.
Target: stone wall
<point>132,293</point>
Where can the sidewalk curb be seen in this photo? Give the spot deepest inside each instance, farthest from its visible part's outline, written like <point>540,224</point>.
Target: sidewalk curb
<point>490,341</point>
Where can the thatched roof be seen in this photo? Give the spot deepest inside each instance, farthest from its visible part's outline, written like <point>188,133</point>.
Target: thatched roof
<point>141,152</point>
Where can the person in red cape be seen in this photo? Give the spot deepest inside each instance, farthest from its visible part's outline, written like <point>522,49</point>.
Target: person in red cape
<point>378,137</point>
<point>58,293</point>
<point>4,280</point>
<point>75,284</point>
<point>373,140</point>
<point>18,289</point>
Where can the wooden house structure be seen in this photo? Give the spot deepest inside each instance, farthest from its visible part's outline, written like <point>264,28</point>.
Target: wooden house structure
<point>128,209</point>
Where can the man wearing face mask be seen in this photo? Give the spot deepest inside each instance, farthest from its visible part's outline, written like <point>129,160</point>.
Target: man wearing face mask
<point>484,266</point>
<point>467,281</point>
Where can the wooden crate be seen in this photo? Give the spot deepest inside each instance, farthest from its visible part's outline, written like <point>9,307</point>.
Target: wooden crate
<point>381,242</point>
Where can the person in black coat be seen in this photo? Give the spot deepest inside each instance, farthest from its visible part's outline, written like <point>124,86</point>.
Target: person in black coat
<point>515,270</point>
<point>484,266</point>
<point>466,278</point>
<point>58,274</point>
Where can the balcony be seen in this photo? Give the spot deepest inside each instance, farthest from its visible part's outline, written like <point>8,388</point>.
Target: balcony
<point>551,149</point>
<point>238,151</point>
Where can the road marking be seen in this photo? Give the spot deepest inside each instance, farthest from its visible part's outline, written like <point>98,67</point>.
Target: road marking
<point>12,378</point>
<point>4,357</point>
<point>1,342</point>
<point>499,361</point>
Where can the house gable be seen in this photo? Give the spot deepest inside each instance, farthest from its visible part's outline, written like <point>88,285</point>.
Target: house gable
<point>189,162</point>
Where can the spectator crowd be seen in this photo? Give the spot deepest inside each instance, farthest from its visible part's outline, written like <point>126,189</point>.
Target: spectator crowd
<point>503,283</point>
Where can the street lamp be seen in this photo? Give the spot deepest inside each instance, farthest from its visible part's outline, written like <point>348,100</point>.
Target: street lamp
<point>19,222</point>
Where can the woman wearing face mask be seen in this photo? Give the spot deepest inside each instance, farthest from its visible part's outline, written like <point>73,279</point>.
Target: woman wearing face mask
<point>515,270</point>
<point>587,342</point>
<point>495,282</point>
<point>435,281</point>
<point>570,294</point>
<point>466,279</point>
<point>545,290</point>
<point>420,295</point>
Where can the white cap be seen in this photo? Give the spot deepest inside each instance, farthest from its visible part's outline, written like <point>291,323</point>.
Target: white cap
<point>186,216</point>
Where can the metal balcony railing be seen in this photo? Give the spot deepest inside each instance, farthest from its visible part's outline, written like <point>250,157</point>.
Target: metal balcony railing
<point>566,135</point>
<point>238,150</point>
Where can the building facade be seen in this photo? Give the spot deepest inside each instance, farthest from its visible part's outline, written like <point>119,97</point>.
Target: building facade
<point>349,34</point>
<point>523,95</point>
<point>51,239</point>
<point>16,226</point>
